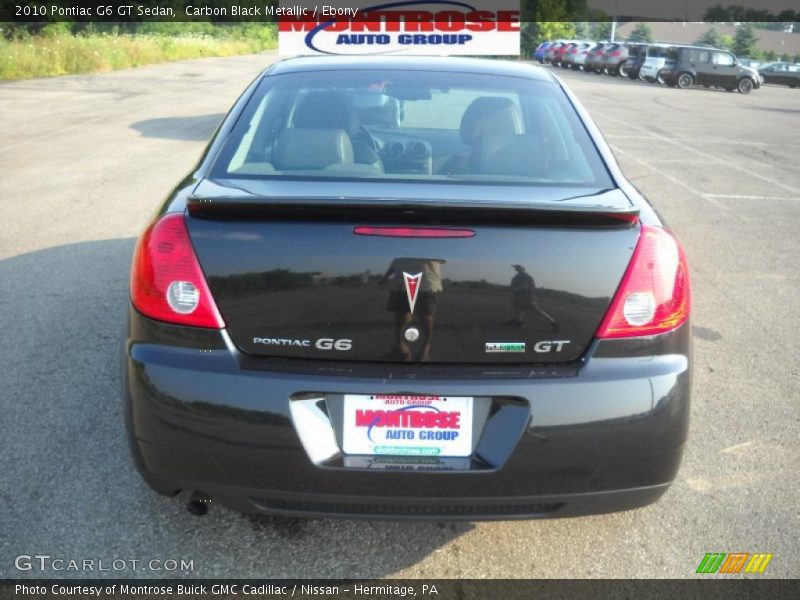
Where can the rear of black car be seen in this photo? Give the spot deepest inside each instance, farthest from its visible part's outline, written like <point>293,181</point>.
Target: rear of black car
<point>408,288</point>
<point>637,54</point>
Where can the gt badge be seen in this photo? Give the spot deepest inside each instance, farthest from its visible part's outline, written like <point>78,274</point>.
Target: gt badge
<point>412,288</point>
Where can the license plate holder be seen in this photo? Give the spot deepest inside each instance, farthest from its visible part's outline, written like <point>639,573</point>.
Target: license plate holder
<point>407,425</point>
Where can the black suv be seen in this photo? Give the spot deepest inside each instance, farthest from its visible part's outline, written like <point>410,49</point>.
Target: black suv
<point>692,65</point>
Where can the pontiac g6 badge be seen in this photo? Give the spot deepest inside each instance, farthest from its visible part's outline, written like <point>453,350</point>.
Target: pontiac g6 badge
<point>412,288</point>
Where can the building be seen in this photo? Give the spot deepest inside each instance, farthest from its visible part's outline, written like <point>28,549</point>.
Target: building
<point>687,33</point>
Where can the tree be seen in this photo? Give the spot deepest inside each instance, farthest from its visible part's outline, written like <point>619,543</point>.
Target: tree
<point>726,42</point>
<point>601,31</point>
<point>548,20</point>
<point>641,33</point>
<point>744,43</point>
<point>716,14</point>
<point>710,38</point>
<point>770,56</point>
<point>532,34</point>
<point>581,30</point>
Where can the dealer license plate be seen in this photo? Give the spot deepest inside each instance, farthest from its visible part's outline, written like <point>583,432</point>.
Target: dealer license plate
<point>407,425</point>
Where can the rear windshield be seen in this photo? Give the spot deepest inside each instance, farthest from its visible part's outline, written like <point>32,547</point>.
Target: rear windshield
<point>411,126</point>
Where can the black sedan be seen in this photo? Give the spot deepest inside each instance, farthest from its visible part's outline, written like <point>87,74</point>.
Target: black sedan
<point>781,73</point>
<point>408,287</point>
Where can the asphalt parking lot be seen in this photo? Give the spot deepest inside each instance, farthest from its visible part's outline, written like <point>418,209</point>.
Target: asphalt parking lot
<point>84,161</point>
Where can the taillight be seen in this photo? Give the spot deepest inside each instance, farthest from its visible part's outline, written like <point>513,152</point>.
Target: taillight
<point>614,53</point>
<point>654,296</point>
<point>167,282</point>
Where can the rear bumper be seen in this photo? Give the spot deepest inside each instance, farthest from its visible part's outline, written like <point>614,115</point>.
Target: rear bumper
<point>607,438</point>
<point>349,506</point>
<point>649,72</point>
<point>610,63</point>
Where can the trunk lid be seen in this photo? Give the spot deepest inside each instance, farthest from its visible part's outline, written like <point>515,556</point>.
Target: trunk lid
<point>294,278</point>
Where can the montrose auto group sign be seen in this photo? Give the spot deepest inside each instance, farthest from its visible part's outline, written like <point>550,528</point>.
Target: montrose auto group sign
<point>443,27</point>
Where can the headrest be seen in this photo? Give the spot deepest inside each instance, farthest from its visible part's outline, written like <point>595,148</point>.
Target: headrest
<point>524,155</point>
<point>326,110</point>
<point>490,114</point>
<point>311,149</point>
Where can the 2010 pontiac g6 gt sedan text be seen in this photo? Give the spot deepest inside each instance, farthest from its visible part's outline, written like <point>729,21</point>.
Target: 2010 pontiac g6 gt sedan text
<point>408,287</point>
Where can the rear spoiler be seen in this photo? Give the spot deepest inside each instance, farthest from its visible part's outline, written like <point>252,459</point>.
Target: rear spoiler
<point>418,212</point>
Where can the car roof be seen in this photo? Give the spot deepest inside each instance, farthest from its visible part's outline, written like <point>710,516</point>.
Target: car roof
<point>691,47</point>
<point>452,64</point>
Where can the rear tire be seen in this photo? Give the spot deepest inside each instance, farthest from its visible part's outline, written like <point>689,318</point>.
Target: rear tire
<point>622,72</point>
<point>660,78</point>
<point>745,85</point>
<point>685,80</point>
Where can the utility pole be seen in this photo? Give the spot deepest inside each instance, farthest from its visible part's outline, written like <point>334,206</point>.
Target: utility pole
<point>613,28</point>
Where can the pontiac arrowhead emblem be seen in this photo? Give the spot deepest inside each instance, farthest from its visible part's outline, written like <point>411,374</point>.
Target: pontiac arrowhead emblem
<point>412,288</point>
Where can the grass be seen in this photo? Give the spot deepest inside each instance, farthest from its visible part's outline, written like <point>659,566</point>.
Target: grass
<point>65,54</point>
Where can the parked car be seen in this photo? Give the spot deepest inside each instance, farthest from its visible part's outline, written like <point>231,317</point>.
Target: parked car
<point>576,56</point>
<point>594,56</point>
<point>613,59</point>
<point>562,54</point>
<point>551,51</point>
<point>541,49</point>
<point>781,73</point>
<point>558,54</point>
<point>636,57</point>
<point>566,55</point>
<point>479,321</point>
<point>655,57</point>
<point>692,65</point>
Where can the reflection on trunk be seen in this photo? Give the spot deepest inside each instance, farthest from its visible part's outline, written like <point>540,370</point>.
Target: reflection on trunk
<point>293,289</point>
